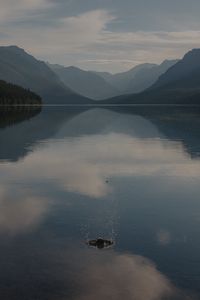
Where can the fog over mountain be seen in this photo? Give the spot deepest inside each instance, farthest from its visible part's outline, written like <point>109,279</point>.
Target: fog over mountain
<point>85,83</point>
<point>18,67</point>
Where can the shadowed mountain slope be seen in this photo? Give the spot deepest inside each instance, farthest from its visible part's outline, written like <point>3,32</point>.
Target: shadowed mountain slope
<point>179,85</point>
<point>145,78</point>
<point>185,68</point>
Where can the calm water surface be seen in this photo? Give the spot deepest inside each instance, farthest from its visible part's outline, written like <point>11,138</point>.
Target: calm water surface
<point>68,175</point>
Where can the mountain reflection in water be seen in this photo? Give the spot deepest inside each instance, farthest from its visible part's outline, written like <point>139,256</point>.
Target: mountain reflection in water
<point>69,174</point>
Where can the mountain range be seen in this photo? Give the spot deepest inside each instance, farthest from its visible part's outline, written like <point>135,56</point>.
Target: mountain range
<point>180,84</point>
<point>86,83</point>
<point>21,68</point>
<point>138,78</point>
<point>123,80</point>
<point>102,85</point>
<point>172,82</point>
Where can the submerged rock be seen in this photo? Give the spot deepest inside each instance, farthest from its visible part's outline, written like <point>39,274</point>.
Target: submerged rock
<point>100,243</point>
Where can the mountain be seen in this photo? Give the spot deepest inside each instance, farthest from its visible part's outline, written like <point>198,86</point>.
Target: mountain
<point>85,83</point>
<point>138,78</point>
<point>146,77</point>
<point>14,95</point>
<point>179,85</point>
<point>18,67</point>
<point>183,71</point>
<point>123,80</point>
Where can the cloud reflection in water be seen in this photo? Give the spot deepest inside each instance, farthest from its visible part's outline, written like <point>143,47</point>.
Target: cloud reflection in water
<point>20,211</point>
<point>111,275</point>
<point>86,165</point>
<point>82,165</point>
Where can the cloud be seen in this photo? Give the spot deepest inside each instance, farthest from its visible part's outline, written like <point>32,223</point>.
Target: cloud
<point>86,40</point>
<point>13,11</point>
<point>67,35</point>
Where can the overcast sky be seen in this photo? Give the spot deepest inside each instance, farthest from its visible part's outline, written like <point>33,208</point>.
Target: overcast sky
<point>108,35</point>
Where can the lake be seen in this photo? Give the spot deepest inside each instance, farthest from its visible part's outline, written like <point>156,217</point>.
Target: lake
<point>68,175</point>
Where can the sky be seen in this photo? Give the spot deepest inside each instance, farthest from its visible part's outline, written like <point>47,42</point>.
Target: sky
<point>103,35</point>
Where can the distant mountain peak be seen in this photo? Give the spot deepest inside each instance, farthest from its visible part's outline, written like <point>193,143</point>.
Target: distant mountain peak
<point>167,62</point>
<point>72,68</point>
<point>13,48</point>
<point>192,54</point>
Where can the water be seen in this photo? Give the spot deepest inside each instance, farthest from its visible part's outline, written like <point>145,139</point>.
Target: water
<point>129,174</point>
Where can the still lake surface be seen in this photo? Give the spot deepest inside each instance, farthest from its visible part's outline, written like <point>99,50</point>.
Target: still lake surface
<point>72,174</point>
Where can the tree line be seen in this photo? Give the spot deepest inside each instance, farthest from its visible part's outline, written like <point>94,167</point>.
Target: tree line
<point>13,95</point>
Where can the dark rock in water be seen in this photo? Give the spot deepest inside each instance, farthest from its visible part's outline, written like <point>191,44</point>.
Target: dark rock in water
<point>100,243</point>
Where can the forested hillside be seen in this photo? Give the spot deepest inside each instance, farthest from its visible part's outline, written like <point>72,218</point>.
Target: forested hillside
<point>11,94</point>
